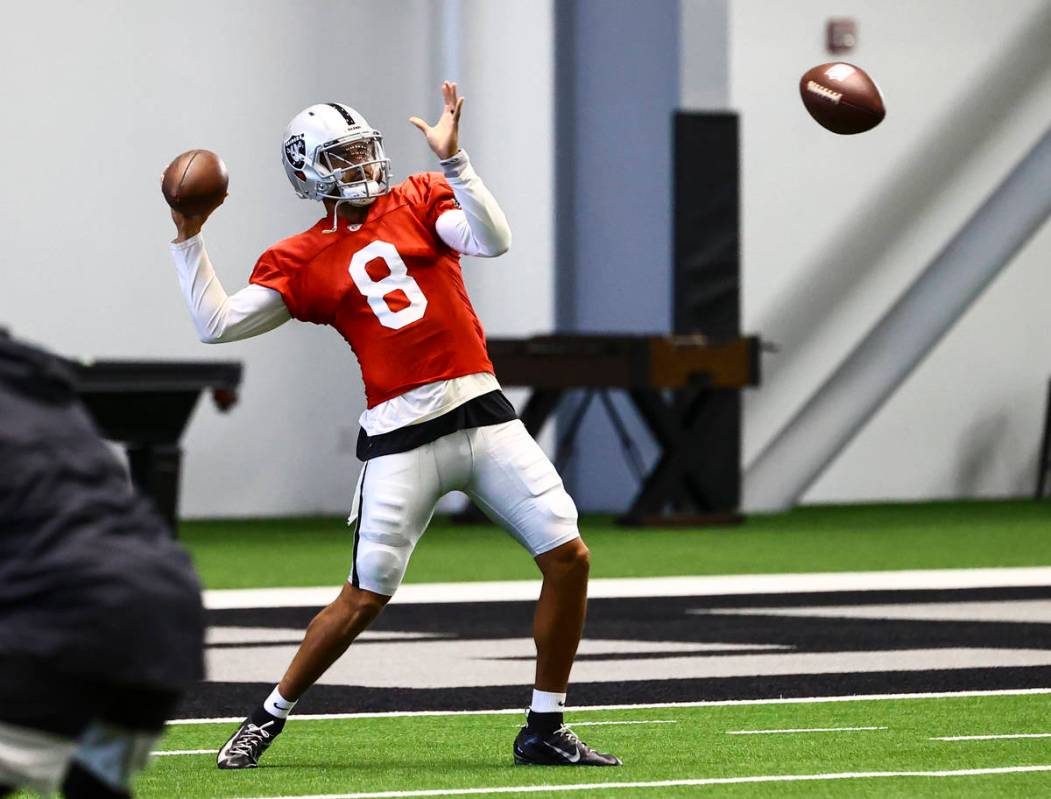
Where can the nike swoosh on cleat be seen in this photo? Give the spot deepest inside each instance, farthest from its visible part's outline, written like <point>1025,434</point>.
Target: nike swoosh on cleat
<point>571,758</point>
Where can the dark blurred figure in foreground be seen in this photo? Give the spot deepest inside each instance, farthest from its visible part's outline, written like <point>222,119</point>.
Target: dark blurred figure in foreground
<point>101,624</point>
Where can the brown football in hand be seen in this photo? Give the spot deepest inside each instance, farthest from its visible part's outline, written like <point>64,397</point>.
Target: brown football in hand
<point>195,183</point>
<point>842,98</point>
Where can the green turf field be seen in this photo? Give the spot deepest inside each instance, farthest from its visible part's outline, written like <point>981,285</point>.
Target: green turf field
<point>690,753</point>
<point>241,554</point>
<point>455,753</point>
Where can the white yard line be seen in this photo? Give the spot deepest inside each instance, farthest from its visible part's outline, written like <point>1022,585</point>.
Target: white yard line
<point>170,752</point>
<point>811,729</point>
<point>713,585</point>
<point>993,737</point>
<point>652,706</point>
<point>610,786</point>
<point>613,723</point>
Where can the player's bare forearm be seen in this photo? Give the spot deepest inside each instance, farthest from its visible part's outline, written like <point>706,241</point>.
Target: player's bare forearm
<point>444,136</point>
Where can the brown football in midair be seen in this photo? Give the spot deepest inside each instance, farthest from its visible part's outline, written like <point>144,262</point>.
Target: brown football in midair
<point>195,183</point>
<point>842,98</point>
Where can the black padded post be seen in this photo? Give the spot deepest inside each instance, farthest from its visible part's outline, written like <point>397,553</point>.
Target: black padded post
<point>706,297</point>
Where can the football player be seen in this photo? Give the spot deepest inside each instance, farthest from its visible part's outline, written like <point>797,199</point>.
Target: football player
<point>383,268</point>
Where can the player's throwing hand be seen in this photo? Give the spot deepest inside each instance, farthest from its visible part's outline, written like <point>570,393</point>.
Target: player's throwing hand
<point>443,136</point>
<point>189,225</point>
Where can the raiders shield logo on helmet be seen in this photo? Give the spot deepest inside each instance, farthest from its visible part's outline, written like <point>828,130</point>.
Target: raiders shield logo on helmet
<point>296,151</point>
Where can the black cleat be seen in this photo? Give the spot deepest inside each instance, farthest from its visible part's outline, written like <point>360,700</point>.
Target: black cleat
<point>559,748</point>
<point>247,745</point>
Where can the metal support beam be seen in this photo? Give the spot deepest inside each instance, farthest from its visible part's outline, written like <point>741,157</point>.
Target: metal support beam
<point>830,419</point>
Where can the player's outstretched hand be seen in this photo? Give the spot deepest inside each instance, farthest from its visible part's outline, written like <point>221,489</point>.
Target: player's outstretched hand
<point>188,225</point>
<point>443,136</point>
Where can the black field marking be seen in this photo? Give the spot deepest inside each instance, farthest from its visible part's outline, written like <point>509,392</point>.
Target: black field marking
<point>671,620</point>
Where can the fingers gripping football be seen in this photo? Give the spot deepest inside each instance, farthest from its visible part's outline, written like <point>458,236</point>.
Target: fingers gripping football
<point>194,185</point>
<point>443,136</point>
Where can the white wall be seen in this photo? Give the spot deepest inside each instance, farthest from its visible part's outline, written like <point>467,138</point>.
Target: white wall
<point>704,55</point>
<point>507,57</point>
<point>836,227</point>
<point>101,96</point>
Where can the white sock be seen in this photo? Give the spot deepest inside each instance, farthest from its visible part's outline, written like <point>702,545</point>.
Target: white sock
<point>547,702</point>
<point>277,705</point>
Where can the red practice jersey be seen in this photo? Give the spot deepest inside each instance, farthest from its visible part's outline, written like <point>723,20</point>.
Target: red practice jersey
<point>392,288</point>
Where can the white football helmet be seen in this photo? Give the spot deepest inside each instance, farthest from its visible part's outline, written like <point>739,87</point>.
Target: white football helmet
<point>330,152</point>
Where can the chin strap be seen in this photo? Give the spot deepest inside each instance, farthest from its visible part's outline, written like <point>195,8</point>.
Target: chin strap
<point>335,216</point>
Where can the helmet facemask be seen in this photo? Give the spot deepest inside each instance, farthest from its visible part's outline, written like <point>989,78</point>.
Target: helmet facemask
<point>353,169</point>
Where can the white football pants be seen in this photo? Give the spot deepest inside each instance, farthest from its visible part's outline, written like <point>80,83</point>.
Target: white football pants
<point>500,467</point>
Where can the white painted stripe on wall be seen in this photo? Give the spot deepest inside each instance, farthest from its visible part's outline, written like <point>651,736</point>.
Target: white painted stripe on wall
<point>815,700</point>
<point>610,786</point>
<point>714,585</point>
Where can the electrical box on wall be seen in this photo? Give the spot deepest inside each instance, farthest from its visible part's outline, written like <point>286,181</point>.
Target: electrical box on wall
<point>841,35</point>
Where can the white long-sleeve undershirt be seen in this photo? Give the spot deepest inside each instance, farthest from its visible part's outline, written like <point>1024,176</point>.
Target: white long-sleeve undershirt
<point>220,317</point>
<point>479,226</point>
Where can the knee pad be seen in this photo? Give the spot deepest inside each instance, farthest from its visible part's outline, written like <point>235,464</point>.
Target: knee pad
<point>379,567</point>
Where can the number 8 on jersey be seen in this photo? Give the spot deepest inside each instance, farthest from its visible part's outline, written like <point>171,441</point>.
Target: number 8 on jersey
<point>393,269</point>
<point>375,291</point>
